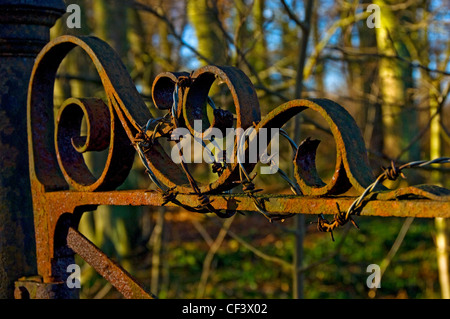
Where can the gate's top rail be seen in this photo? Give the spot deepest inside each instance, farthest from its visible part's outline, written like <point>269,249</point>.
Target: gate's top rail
<point>398,203</point>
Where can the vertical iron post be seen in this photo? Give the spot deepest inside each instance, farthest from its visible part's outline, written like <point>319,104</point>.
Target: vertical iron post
<point>24,30</point>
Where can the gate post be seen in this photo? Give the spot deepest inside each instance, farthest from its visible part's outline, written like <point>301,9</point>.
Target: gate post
<point>24,30</point>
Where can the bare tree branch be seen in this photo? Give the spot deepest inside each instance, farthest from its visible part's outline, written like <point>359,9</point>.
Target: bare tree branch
<point>441,100</point>
<point>396,56</point>
<point>304,26</point>
<point>210,255</point>
<point>146,8</point>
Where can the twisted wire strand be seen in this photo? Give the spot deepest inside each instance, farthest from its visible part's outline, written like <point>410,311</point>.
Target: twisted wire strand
<point>294,186</point>
<point>290,140</point>
<point>148,170</point>
<point>205,201</point>
<point>169,194</point>
<point>246,181</point>
<point>341,218</point>
<point>174,108</point>
<point>392,173</point>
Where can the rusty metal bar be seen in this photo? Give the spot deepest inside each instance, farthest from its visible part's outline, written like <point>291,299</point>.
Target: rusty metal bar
<point>282,205</point>
<point>24,30</point>
<point>34,288</point>
<point>110,270</point>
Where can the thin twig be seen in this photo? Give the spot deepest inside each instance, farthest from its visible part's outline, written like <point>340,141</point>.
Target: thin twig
<point>395,247</point>
<point>259,253</point>
<point>103,292</point>
<point>202,231</point>
<point>146,8</point>
<point>210,256</point>
<point>239,52</point>
<point>441,101</point>
<point>445,133</point>
<point>396,56</point>
<point>294,18</point>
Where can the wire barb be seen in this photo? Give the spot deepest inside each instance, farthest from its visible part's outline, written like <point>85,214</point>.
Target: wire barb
<point>392,173</point>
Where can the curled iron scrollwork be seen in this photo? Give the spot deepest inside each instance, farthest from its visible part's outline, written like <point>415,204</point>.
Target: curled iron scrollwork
<point>124,118</point>
<point>55,154</point>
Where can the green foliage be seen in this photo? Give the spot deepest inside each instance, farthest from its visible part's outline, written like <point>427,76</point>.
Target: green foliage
<point>239,273</point>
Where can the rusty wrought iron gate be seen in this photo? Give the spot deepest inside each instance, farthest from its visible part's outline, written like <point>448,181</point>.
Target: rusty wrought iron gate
<point>63,188</point>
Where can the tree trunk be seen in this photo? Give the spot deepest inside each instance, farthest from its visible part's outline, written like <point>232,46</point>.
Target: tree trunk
<point>371,119</point>
<point>211,44</point>
<point>31,21</point>
<point>157,244</point>
<point>400,121</point>
<point>442,242</point>
<point>298,278</point>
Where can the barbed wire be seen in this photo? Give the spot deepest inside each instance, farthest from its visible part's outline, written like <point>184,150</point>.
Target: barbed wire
<point>143,142</point>
<point>390,173</point>
<point>340,218</point>
<point>248,187</point>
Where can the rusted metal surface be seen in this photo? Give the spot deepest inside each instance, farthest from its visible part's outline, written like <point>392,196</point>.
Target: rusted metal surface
<point>34,288</point>
<point>352,165</point>
<point>110,270</point>
<point>124,120</point>
<point>63,188</point>
<point>25,26</point>
<point>24,30</point>
<point>194,90</point>
<point>419,203</point>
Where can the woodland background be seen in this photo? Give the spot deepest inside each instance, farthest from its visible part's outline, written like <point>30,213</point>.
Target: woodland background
<point>394,81</point>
